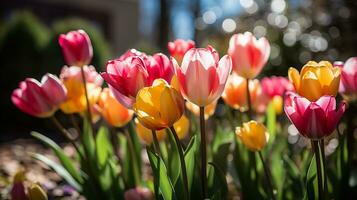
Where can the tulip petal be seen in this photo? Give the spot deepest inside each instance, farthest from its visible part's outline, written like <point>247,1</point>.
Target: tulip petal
<point>53,88</point>
<point>327,103</point>
<point>294,77</point>
<point>126,101</point>
<point>310,87</point>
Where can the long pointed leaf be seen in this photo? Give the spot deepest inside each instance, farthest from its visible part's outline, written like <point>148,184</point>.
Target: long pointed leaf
<point>60,170</point>
<point>64,159</point>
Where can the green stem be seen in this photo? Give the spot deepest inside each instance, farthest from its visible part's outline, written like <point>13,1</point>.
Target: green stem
<point>253,162</point>
<point>134,158</point>
<point>156,144</point>
<point>203,153</point>
<point>315,146</point>
<point>249,101</point>
<point>322,149</point>
<point>267,176</point>
<point>182,162</point>
<point>89,113</point>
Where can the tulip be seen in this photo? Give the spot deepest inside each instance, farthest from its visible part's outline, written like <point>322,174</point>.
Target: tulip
<point>138,193</point>
<point>76,48</point>
<point>159,106</point>
<point>253,135</point>
<point>160,67</point>
<point>131,53</point>
<point>316,80</point>
<point>179,47</point>
<point>313,119</point>
<point>276,86</point>
<point>209,109</point>
<point>76,99</point>
<point>348,85</point>
<point>235,92</point>
<point>273,89</point>
<point>39,99</point>
<point>126,78</point>
<point>249,54</point>
<point>202,76</point>
<point>145,134</point>
<point>182,127</point>
<point>18,189</point>
<point>37,193</point>
<point>112,111</point>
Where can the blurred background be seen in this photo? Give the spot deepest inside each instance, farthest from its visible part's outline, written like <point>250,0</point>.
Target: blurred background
<point>298,30</point>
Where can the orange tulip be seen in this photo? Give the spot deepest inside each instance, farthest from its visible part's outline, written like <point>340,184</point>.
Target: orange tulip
<point>112,111</point>
<point>235,92</point>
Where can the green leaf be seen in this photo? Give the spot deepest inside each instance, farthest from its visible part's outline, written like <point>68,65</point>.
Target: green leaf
<point>62,172</point>
<point>271,119</point>
<point>312,180</point>
<point>131,169</point>
<point>173,160</point>
<point>162,182</point>
<point>190,153</point>
<point>136,142</point>
<point>103,146</point>
<point>63,158</point>
<point>88,140</point>
<point>220,148</point>
<point>217,183</point>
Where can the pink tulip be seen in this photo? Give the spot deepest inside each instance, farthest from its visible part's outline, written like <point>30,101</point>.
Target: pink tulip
<point>314,120</point>
<point>74,72</point>
<point>276,86</point>
<point>202,76</point>
<point>39,99</point>
<point>348,84</point>
<point>125,78</point>
<point>249,54</point>
<point>76,48</point>
<point>134,52</point>
<point>179,47</point>
<point>160,67</point>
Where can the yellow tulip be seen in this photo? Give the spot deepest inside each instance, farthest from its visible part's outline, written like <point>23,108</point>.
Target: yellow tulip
<point>253,135</point>
<point>278,104</point>
<point>209,109</point>
<point>112,111</point>
<point>182,127</point>
<point>316,80</point>
<point>159,106</point>
<point>175,83</point>
<point>76,99</point>
<point>145,134</point>
<point>36,193</point>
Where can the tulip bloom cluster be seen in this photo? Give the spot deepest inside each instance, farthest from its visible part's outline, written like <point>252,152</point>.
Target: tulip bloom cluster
<point>146,99</point>
<point>313,109</point>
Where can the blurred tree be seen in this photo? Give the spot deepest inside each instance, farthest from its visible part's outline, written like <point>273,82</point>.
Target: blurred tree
<point>29,49</point>
<point>20,53</point>
<point>164,25</point>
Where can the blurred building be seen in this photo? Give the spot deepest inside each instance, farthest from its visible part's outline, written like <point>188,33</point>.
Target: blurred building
<point>118,19</point>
